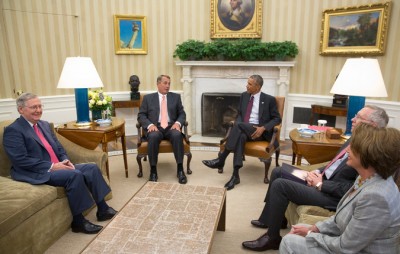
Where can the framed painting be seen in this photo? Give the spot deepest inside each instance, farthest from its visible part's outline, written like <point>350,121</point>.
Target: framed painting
<point>360,30</point>
<point>236,18</point>
<point>130,34</point>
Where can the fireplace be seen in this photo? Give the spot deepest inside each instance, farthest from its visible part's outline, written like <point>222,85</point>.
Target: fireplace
<point>199,77</point>
<point>217,110</point>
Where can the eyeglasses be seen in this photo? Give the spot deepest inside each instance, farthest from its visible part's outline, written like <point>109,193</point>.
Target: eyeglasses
<point>36,107</point>
<point>357,116</point>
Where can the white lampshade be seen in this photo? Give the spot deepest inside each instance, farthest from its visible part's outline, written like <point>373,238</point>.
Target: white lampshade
<point>79,72</point>
<point>360,77</point>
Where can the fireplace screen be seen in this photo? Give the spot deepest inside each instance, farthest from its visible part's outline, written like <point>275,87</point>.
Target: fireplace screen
<point>217,110</point>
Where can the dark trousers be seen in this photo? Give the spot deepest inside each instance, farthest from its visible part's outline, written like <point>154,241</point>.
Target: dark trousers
<point>280,192</point>
<point>239,135</point>
<point>82,185</point>
<point>154,139</point>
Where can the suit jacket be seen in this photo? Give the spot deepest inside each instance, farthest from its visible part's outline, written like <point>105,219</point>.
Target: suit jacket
<point>149,111</point>
<point>30,159</point>
<point>341,179</point>
<point>268,114</point>
<point>368,221</point>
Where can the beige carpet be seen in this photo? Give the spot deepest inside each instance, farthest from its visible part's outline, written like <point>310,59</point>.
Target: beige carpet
<point>244,202</point>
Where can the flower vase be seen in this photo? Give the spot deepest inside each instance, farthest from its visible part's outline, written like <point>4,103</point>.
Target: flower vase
<point>96,114</point>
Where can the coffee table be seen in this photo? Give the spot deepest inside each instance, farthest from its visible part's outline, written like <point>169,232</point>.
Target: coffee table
<point>315,149</point>
<point>165,218</point>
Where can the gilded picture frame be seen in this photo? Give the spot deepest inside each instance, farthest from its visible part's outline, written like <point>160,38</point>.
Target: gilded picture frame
<point>236,19</point>
<point>359,30</point>
<point>130,34</point>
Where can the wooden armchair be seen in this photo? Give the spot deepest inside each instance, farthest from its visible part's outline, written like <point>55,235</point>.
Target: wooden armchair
<point>262,149</point>
<point>165,147</point>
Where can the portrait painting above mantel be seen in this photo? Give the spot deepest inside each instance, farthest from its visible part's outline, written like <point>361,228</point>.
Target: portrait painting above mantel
<point>236,18</point>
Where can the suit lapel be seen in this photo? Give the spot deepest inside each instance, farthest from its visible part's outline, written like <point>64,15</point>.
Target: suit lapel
<point>261,106</point>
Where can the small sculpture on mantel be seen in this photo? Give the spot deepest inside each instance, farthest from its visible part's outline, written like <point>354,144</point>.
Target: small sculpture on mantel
<point>134,82</point>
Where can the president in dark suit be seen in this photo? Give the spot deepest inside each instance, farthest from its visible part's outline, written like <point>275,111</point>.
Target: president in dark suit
<point>257,116</point>
<point>38,158</point>
<point>325,187</point>
<point>162,115</point>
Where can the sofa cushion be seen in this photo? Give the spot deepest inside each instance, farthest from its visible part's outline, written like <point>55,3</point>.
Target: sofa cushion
<point>19,201</point>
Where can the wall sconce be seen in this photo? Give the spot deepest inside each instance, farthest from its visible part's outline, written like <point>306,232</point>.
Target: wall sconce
<point>359,77</point>
<point>80,73</point>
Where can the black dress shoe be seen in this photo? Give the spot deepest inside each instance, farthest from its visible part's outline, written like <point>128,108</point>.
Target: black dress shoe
<point>263,243</point>
<point>153,177</point>
<point>182,177</point>
<point>106,215</point>
<point>86,227</point>
<point>231,183</point>
<point>216,163</point>
<point>258,224</point>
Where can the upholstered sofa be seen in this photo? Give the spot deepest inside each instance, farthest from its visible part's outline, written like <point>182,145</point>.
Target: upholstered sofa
<point>32,217</point>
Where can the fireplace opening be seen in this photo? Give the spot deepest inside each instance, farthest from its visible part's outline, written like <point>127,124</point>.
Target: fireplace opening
<point>217,110</point>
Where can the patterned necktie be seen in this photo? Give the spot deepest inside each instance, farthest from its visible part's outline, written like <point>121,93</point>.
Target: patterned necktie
<point>338,156</point>
<point>46,144</point>
<point>164,113</point>
<point>248,110</point>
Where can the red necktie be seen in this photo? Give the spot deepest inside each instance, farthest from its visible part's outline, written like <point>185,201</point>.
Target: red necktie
<point>164,113</point>
<point>46,144</point>
<point>337,157</point>
<point>248,110</point>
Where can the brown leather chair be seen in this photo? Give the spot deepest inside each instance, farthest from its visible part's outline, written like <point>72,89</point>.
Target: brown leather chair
<point>262,149</point>
<point>165,146</point>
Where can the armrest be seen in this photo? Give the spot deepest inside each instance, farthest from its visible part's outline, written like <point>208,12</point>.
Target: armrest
<point>78,154</point>
<point>141,133</point>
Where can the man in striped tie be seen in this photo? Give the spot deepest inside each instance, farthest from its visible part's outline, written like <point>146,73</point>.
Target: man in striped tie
<point>325,187</point>
<point>38,158</point>
<point>257,116</point>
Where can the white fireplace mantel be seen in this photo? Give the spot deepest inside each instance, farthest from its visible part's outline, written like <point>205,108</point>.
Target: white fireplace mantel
<point>228,76</point>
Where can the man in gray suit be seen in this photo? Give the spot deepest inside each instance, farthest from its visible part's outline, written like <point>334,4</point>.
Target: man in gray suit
<point>163,124</point>
<point>257,116</point>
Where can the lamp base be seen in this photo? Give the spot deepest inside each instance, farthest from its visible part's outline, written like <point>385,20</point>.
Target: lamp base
<point>83,124</point>
<point>356,103</point>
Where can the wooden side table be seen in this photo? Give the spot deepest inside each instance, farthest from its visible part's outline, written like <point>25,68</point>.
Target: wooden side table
<point>124,104</point>
<point>93,135</point>
<point>326,110</point>
<point>316,149</point>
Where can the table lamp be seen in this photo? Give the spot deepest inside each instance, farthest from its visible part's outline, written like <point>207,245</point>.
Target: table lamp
<point>359,77</point>
<point>80,73</point>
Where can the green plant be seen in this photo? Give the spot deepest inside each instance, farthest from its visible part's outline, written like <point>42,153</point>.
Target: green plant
<point>236,50</point>
<point>190,50</point>
<point>99,100</point>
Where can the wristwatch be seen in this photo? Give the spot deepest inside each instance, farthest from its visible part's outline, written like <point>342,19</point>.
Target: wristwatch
<point>318,186</point>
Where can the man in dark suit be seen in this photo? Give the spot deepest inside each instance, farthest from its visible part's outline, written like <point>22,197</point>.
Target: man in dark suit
<point>163,124</point>
<point>325,187</point>
<point>38,158</point>
<point>257,116</point>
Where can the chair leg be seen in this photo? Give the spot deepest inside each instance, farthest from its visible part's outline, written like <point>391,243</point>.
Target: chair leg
<point>189,159</point>
<point>267,165</point>
<point>277,153</point>
<point>139,162</point>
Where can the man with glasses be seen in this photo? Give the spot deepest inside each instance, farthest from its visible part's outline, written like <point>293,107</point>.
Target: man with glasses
<point>38,158</point>
<point>325,187</point>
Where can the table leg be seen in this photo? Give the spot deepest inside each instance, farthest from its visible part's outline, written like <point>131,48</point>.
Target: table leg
<point>222,217</point>
<point>299,157</point>
<point>124,152</point>
<point>105,149</point>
